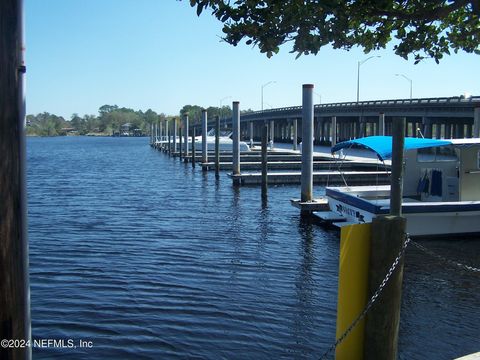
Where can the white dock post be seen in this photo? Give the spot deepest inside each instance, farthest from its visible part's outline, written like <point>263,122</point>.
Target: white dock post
<point>236,138</point>
<point>333,131</point>
<point>307,143</point>
<point>476,122</point>
<point>204,137</point>
<point>185,138</point>
<point>381,124</point>
<point>295,134</point>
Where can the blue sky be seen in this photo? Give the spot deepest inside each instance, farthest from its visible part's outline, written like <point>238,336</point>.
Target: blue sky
<point>82,54</point>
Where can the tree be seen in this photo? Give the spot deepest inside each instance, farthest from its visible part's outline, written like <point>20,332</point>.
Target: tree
<point>424,29</point>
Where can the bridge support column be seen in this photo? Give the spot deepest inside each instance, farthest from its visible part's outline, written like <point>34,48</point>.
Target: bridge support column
<point>476,122</point>
<point>272,134</point>
<point>381,124</point>
<point>333,131</point>
<point>185,138</point>
<point>236,138</point>
<point>448,132</point>
<point>295,134</point>
<point>427,127</point>
<point>438,130</point>
<point>307,144</point>
<point>469,131</point>
<point>251,133</point>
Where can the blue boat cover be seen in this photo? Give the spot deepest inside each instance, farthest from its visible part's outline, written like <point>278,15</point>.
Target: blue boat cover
<point>382,145</point>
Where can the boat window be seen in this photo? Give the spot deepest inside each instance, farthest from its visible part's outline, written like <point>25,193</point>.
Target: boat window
<point>446,153</point>
<point>426,155</point>
<point>441,153</point>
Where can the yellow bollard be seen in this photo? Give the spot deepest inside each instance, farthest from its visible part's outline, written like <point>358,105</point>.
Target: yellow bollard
<point>352,288</point>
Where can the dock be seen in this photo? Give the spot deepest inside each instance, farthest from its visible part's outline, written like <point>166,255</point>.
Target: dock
<point>319,177</point>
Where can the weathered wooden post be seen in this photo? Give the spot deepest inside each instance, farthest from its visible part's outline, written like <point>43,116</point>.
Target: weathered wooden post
<point>193,147</point>
<point>217,147</point>
<point>165,134</point>
<point>168,137</point>
<point>174,136</point>
<point>307,144</point>
<point>295,134</point>
<point>185,131</point>
<point>14,284</point>
<point>333,131</point>
<point>381,124</point>
<point>180,149</point>
<point>264,159</point>
<point>476,122</point>
<point>204,138</point>
<point>388,237</point>
<point>236,138</point>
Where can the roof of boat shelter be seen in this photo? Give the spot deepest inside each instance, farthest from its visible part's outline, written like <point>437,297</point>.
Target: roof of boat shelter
<point>382,145</point>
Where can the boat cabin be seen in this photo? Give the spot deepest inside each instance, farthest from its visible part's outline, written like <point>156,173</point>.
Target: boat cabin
<point>448,172</point>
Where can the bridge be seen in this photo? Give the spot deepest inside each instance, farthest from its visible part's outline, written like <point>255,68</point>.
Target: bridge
<point>443,117</point>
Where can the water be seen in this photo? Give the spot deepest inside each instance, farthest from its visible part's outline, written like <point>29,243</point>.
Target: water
<point>148,259</point>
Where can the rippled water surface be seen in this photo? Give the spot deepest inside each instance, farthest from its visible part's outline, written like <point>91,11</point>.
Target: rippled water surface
<point>146,258</point>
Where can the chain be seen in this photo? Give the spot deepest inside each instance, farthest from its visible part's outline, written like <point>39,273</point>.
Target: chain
<point>372,300</point>
<point>444,259</point>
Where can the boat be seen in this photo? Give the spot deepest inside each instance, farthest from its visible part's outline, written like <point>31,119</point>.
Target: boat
<point>225,142</point>
<point>441,187</point>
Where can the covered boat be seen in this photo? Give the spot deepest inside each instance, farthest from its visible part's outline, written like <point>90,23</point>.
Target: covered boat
<point>441,187</point>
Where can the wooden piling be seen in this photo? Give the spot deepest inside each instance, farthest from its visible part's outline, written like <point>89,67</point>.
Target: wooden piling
<point>383,320</point>
<point>185,134</point>
<point>180,144</point>
<point>217,147</point>
<point>204,138</point>
<point>193,147</point>
<point>168,136</point>
<point>14,285</point>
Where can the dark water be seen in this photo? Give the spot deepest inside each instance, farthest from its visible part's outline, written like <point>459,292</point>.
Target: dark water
<point>148,259</point>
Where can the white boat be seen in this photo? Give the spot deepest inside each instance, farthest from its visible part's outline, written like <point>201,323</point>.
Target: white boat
<point>441,187</point>
<point>225,142</point>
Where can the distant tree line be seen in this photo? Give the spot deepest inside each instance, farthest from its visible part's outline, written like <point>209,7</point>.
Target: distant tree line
<point>110,119</point>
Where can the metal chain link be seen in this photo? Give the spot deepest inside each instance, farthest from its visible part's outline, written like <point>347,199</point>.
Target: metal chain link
<point>444,259</point>
<point>372,300</point>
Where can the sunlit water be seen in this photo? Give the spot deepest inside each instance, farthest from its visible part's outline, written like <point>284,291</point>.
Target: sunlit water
<point>147,259</point>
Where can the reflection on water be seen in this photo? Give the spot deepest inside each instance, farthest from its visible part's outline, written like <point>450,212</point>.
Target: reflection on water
<point>150,259</point>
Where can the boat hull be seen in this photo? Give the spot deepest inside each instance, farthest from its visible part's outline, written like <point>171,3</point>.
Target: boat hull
<point>423,219</point>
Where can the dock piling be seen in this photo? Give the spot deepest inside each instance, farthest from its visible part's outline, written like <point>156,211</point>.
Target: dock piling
<point>264,159</point>
<point>307,143</point>
<point>217,147</point>
<point>14,284</point>
<point>193,147</point>
<point>236,138</point>
<point>185,129</point>
<point>180,143</point>
<point>204,138</point>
